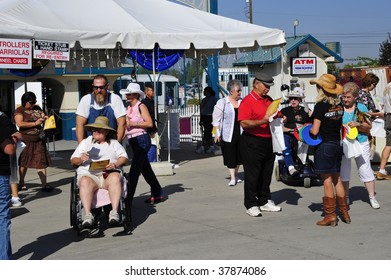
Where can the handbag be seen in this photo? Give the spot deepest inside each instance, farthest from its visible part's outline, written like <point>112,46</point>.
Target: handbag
<point>50,123</point>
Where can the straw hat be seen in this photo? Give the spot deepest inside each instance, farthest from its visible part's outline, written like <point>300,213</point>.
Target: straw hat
<point>132,88</point>
<point>101,122</point>
<point>296,92</point>
<point>329,83</point>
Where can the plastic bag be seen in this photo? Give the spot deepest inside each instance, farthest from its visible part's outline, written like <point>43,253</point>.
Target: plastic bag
<point>276,128</point>
<point>351,148</point>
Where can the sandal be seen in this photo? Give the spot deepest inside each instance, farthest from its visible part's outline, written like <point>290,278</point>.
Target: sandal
<point>22,188</point>
<point>47,188</point>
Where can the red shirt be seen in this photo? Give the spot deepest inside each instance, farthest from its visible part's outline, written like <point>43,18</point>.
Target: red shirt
<point>253,107</point>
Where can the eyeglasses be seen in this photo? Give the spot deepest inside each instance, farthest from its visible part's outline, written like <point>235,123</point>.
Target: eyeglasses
<point>374,84</point>
<point>99,87</point>
<point>238,90</point>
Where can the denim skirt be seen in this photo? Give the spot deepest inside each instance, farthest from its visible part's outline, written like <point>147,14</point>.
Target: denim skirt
<point>327,157</point>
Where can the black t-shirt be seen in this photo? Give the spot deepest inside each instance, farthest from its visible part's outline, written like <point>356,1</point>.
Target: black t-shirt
<point>293,117</point>
<point>331,120</point>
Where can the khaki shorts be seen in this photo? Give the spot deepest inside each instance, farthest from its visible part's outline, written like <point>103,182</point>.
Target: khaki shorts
<point>98,179</point>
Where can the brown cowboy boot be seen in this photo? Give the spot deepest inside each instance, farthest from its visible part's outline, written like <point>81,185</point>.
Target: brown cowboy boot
<point>330,217</point>
<point>343,207</point>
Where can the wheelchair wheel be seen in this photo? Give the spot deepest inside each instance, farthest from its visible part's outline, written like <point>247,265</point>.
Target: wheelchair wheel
<point>277,173</point>
<point>73,206</point>
<point>307,182</point>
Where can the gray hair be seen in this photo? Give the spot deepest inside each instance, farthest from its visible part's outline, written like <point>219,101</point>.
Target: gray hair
<point>352,88</point>
<point>233,83</point>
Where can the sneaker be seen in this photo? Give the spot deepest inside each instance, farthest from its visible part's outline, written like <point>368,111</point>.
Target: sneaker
<point>88,221</point>
<point>15,202</point>
<point>113,217</point>
<point>374,203</point>
<point>238,180</point>
<point>254,211</point>
<point>382,176</point>
<point>270,207</point>
<point>200,150</point>
<point>292,170</point>
<point>232,183</point>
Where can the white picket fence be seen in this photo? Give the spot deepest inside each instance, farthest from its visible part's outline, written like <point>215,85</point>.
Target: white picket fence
<point>191,116</point>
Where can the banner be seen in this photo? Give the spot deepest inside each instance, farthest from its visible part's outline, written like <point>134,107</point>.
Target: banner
<point>15,53</point>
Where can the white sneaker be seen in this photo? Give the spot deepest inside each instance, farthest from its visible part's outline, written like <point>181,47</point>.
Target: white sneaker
<point>238,180</point>
<point>15,202</point>
<point>292,170</point>
<point>374,203</point>
<point>254,211</point>
<point>88,221</point>
<point>200,150</point>
<point>232,183</point>
<point>270,207</point>
<point>113,217</point>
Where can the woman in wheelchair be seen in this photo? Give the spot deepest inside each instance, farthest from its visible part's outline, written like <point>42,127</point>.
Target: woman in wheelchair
<point>99,159</point>
<point>295,114</point>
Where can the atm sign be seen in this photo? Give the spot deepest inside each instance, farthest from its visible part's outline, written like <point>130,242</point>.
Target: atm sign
<point>303,66</point>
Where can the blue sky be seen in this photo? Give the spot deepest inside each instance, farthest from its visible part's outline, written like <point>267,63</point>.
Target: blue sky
<point>360,26</point>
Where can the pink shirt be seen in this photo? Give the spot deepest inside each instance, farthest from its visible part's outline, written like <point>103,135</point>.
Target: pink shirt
<point>134,115</point>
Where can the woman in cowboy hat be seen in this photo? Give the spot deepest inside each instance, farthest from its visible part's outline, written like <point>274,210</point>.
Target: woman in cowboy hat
<point>138,120</point>
<point>295,114</point>
<point>327,122</point>
<point>101,146</point>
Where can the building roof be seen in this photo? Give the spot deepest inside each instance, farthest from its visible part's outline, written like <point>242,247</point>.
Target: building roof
<point>273,55</point>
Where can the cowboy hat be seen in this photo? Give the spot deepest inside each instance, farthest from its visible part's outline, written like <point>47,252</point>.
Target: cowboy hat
<point>329,83</point>
<point>101,122</point>
<point>296,92</point>
<point>132,88</point>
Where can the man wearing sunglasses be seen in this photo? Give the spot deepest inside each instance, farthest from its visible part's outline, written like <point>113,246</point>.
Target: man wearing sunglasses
<point>295,114</point>
<point>100,103</point>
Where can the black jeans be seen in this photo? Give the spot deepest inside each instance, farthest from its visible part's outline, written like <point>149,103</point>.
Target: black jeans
<point>141,165</point>
<point>258,162</point>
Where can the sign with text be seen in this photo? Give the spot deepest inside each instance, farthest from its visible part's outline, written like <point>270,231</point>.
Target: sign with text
<point>51,50</point>
<point>303,66</point>
<point>15,53</point>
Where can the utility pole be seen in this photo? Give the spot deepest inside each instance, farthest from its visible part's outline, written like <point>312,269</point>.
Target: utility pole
<point>250,10</point>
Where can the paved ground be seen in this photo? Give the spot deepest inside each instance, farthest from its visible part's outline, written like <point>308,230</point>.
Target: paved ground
<point>203,219</point>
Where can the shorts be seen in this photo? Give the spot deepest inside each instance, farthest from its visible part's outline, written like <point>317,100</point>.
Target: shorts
<point>327,157</point>
<point>98,179</point>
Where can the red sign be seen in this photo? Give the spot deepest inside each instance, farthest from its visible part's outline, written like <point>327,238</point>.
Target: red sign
<point>15,53</point>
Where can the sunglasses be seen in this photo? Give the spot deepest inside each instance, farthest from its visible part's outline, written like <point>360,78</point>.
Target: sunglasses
<point>99,87</point>
<point>32,102</point>
<point>293,98</point>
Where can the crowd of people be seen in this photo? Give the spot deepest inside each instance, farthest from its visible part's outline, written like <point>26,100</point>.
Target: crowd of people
<point>241,127</point>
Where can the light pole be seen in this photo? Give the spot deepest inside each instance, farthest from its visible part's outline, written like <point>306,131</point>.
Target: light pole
<point>295,24</point>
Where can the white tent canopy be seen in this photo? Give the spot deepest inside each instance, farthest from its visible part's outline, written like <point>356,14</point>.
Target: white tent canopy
<point>135,24</point>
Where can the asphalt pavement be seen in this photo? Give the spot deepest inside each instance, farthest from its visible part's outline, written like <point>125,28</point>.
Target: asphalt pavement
<point>202,219</point>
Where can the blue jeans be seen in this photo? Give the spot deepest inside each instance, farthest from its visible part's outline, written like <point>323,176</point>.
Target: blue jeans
<point>5,219</point>
<point>289,140</point>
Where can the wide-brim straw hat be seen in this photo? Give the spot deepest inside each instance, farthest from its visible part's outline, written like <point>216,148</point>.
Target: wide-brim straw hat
<point>101,122</point>
<point>328,83</point>
<point>132,88</point>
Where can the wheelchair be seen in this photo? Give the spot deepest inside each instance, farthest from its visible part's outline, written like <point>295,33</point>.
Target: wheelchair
<point>101,205</point>
<point>305,177</point>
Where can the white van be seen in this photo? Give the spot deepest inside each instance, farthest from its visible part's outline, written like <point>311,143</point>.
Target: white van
<point>166,88</point>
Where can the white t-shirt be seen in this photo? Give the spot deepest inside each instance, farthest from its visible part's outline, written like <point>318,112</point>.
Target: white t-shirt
<point>97,152</point>
<point>83,109</point>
